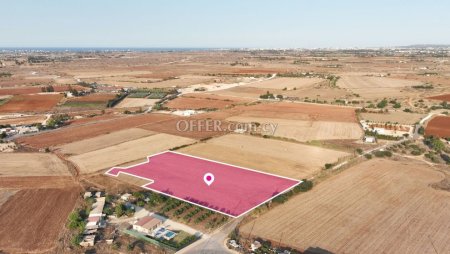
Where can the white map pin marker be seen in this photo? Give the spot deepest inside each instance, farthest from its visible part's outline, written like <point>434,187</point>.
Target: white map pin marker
<point>208,178</point>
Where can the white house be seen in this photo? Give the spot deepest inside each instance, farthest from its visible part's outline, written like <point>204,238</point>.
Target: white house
<point>147,224</point>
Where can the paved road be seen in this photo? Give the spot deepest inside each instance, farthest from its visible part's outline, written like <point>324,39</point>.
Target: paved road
<point>213,243</point>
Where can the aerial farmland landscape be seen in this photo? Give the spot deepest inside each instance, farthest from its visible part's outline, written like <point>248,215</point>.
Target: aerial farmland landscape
<point>200,127</point>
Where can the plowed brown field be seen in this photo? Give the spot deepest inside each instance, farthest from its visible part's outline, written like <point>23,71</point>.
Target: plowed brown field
<point>31,103</point>
<point>31,220</point>
<point>444,97</point>
<point>74,133</point>
<point>439,127</point>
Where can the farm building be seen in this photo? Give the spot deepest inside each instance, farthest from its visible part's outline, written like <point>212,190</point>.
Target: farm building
<point>147,224</point>
<point>370,139</point>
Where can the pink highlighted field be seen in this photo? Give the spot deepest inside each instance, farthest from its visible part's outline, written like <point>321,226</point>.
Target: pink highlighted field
<point>234,192</point>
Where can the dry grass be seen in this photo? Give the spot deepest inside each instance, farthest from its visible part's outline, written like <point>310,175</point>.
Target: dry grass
<point>103,141</point>
<point>378,87</point>
<point>125,152</point>
<point>379,206</point>
<point>136,102</point>
<point>269,155</point>
<point>23,120</point>
<point>307,130</point>
<point>289,83</point>
<point>31,164</point>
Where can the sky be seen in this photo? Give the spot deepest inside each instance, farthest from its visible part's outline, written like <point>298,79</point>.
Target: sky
<point>223,24</point>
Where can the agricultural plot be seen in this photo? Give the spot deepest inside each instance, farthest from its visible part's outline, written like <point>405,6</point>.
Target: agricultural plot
<point>188,102</point>
<point>288,83</point>
<point>90,129</point>
<point>303,130</point>
<point>443,97</point>
<point>32,219</point>
<point>439,127</point>
<point>393,117</point>
<point>235,190</point>
<point>379,206</point>
<point>136,102</point>
<point>5,194</point>
<point>298,111</point>
<point>31,103</point>
<point>89,101</point>
<point>103,141</point>
<point>377,87</point>
<point>23,120</point>
<point>31,164</point>
<point>133,150</point>
<point>272,156</point>
<point>37,89</point>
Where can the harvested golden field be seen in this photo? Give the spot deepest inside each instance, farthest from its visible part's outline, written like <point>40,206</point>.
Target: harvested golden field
<point>136,102</point>
<point>36,182</point>
<point>303,130</point>
<point>31,164</point>
<point>379,206</point>
<point>367,82</point>
<point>268,155</point>
<point>33,219</point>
<point>378,87</point>
<point>103,141</point>
<point>116,155</point>
<point>393,117</point>
<point>188,102</point>
<point>288,83</point>
<point>298,111</point>
<point>246,92</point>
<point>23,120</point>
<point>31,103</point>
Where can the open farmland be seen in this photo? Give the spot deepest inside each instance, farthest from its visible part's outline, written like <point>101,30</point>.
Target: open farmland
<point>126,152</point>
<point>31,103</point>
<point>70,134</point>
<point>103,141</point>
<point>377,87</point>
<point>31,164</point>
<point>89,101</point>
<point>444,97</point>
<point>268,155</point>
<point>136,102</point>
<point>188,102</point>
<point>23,120</point>
<point>36,89</point>
<point>299,111</point>
<point>32,219</point>
<point>393,117</point>
<point>5,194</point>
<point>438,126</point>
<point>303,130</point>
<point>288,83</point>
<point>379,206</point>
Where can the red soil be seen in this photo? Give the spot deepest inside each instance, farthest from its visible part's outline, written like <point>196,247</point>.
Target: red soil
<point>439,127</point>
<point>31,103</point>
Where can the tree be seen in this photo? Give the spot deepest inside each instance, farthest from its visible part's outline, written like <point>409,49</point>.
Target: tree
<point>120,210</point>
